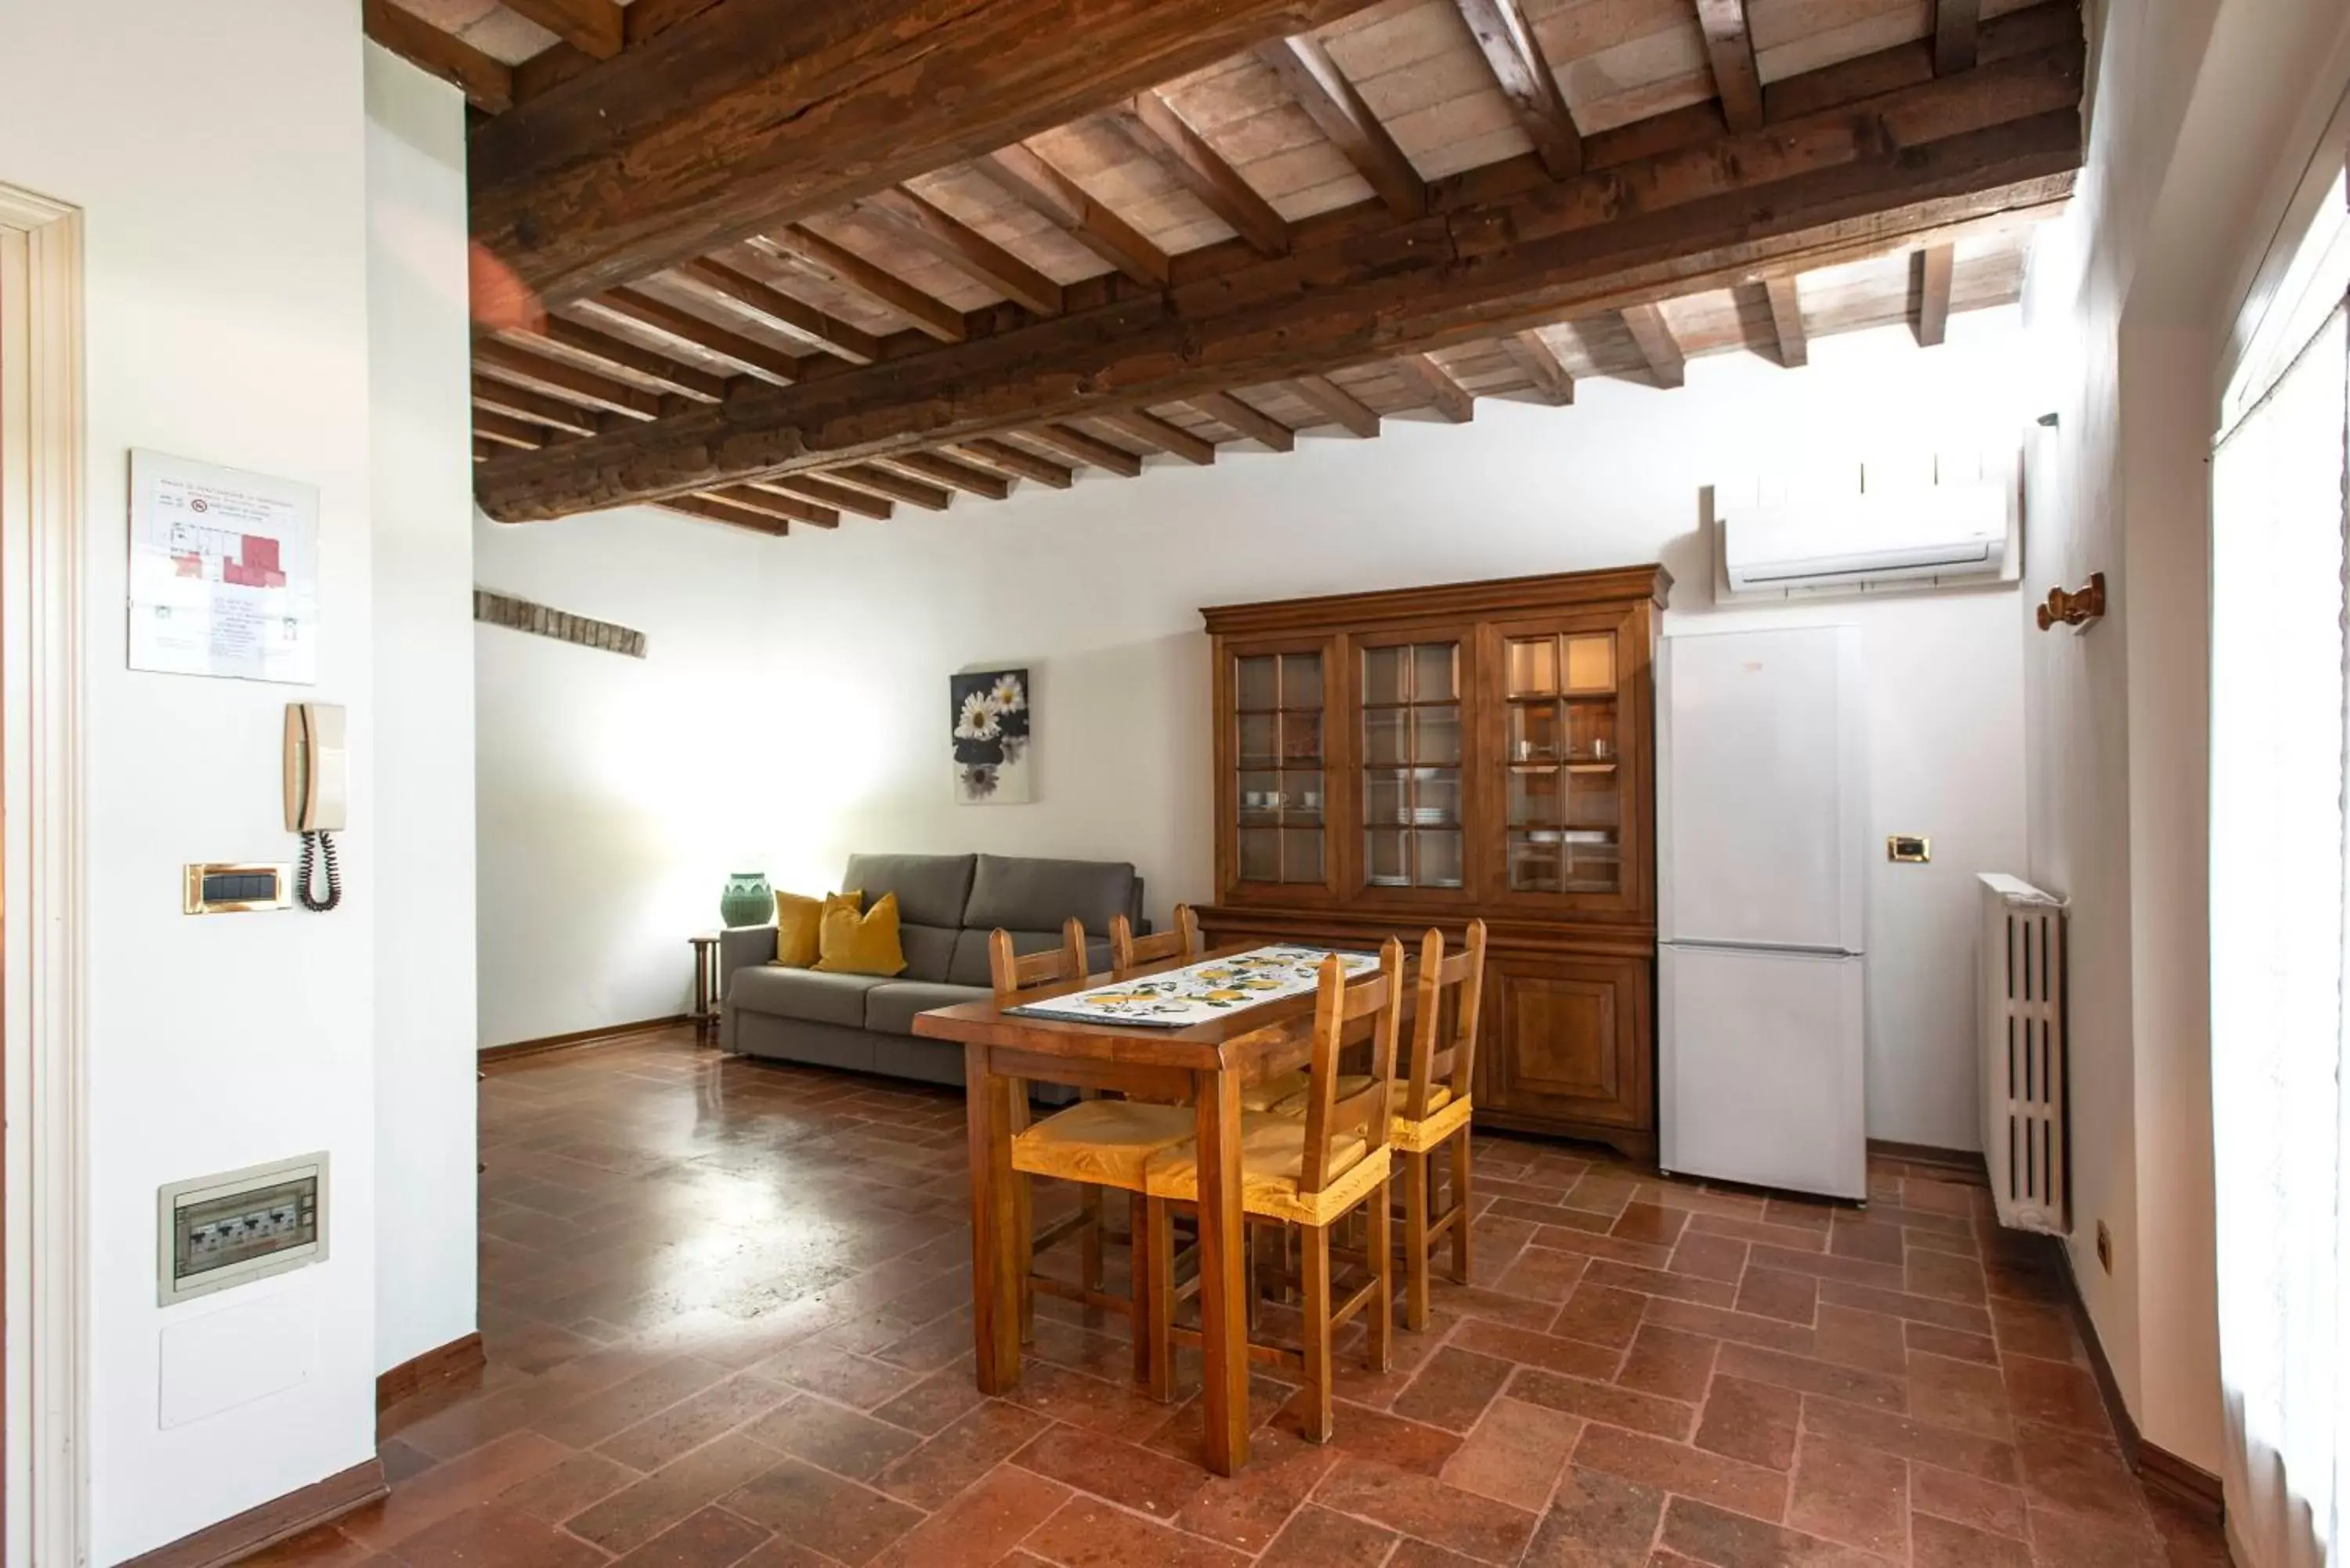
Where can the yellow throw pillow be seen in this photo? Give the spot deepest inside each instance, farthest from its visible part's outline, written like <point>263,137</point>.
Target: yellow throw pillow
<point>799,925</point>
<point>861,944</point>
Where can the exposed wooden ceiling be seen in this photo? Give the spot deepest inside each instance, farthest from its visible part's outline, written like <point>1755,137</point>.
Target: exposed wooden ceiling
<point>803,258</point>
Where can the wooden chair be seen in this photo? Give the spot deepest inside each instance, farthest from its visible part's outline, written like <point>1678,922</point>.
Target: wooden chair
<point>1128,952</point>
<point>1432,1110</point>
<point>1096,1143</point>
<point>1308,1172</point>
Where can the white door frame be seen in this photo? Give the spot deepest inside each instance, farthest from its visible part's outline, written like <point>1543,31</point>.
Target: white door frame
<point>41,878</point>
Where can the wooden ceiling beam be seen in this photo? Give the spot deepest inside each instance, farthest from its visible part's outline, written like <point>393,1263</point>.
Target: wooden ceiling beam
<point>1846,178</point>
<point>790,509</point>
<point>963,248</point>
<point>1958,24</point>
<point>1729,45</point>
<point>1159,133</point>
<point>560,377</point>
<point>1929,310</point>
<point>1065,204</point>
<point>1167,437</point>
<point>587,342</point>
<point>593,27</point>
<point>1073,443</point>
<point>1539,360</point>
<point>709,511</point>
<point>1434,386</point>
<point>780,310</point>
<point>1016,460</point>
<point>1341,407</point>
<point>816,106</point>
<point>486,449</point>
<point>1654,337</point>
<point>838,264</point>
<point>1226,409</point>
<point>486,82</point>
<point>645,310</point>
<point>896,487</point>
<point>1787,321</point>
<point>840,497</point>
<point>521,403</point>
<point>955,474</point>
<point>1313,78</point>
<point>506,431</point>
<point>1525,79</point>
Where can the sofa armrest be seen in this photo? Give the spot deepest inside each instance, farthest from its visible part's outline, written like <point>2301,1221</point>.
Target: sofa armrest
<point>742,947</point>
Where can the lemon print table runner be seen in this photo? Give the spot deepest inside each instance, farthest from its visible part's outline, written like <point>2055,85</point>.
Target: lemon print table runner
<point>1196,994</point>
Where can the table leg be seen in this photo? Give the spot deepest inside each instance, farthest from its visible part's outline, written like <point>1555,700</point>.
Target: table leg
<point>994,1218</point>
<point>1223,1305</point>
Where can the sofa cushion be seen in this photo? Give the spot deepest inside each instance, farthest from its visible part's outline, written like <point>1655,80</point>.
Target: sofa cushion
<point>970,967</point>
<point>808,994</point>
<point>890,1008</point>
<point>929,952</point>
<point>932,888</point>
<point>1021,894</point>
<point>862,944</point>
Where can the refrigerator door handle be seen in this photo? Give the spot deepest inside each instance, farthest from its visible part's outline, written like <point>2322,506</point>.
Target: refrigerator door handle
<point>1786,950</point>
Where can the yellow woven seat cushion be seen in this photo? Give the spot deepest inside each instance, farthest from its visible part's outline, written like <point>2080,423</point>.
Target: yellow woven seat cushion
<point>1269,1094</point>
<point>1105,1142</point>
<point>1444,1116</point>
<point>1273,1158</point>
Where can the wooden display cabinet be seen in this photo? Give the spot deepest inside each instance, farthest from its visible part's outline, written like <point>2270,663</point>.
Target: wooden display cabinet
<point>1387,762</point>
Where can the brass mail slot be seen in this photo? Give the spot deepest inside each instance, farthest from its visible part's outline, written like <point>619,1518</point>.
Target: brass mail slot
<point>217,889</point>
<point>1908,849</point>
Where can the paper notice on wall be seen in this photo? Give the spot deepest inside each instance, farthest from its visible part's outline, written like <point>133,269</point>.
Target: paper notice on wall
<point>224,571</point>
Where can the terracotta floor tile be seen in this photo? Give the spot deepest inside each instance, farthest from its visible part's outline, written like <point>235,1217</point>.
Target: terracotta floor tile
<point>1854,1495</point>
<point>1967,1500</point>
<point>2078,1474</point>
<point>1678,1467</point>
<point>1768,1293</point>
<point>838,1517</point>
<point>1124,1473</point>
<point>1606,1402</point>
<point>1115,1409</point>
<point>1930,1273</point>
<point>2024,1328</point>
<point>1952,1342</point>
<point>638,1512</point>
<point>2086,1541</point>
<point>1543,1274</point>
<point>945,1397</point>
<point>945,1464</point>
<point>2054,1392</point>
<point>1962,1394</point>
<point>1552,1353</point>
<point>324,1547</point>
<point>853,1380</point>
<point>557,1493</point>
<point>492,1533</point>
<point>1899,1303</point>
<point>1247,1511</point>
<point>1825,1378</point>
<point>1729,1540</point>
<point>1937,1543</point>
<point>1318,1538</point>
<point>1651,1223</point>
<point>1669,1363</point>
<point>1452,1390</point>
<point>588,1422</point>
<point>1596,1521</point>
<point>1870,1240</point>
<point>1650,1281</point>
<point>693,1421</point>
<point>1912,1439</point>
<point>1090,1533</point>
<point>1751,1421</point>
<point>1757,1230</point>
<point>845,1442</point>
<point>1601,1315</point>
<point>980,1525</point>
<point>453,1488</point>
<point>1515,1454</point>
<point>1419,1505</point>
<point>1720,1257</point>
<point>1868,1340</point>
<point>1738,1327</point>
<point>1360,1432</point>
<point>710,1539</point>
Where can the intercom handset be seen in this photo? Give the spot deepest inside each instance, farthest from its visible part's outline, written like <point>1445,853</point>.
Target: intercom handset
<point>318,780</point>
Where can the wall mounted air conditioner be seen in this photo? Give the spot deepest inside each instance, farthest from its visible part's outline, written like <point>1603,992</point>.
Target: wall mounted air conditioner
<point>2020,963</point>
<point>1937,534</point>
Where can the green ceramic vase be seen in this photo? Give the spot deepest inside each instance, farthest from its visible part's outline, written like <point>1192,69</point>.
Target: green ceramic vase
<point>748,900</point>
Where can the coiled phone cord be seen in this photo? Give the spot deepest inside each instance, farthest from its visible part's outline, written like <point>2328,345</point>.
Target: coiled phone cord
<point>319,844</point>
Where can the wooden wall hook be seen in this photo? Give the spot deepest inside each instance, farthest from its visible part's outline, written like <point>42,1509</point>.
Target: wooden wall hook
<point>2078,610</point>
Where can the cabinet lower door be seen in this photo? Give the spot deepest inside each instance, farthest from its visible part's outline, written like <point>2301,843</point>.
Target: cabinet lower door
<point>1568,1048</point>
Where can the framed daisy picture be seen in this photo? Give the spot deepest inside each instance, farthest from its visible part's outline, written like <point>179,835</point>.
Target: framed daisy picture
<point>992,737</point>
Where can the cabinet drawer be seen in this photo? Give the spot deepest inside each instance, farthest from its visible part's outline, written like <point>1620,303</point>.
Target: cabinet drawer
<point>1567,1043</point>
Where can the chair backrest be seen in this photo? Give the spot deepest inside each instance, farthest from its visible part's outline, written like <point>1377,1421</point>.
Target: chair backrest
<point>1012,973</point>
<point>1337,1004</point>
<point>1128,952</point>
<point>1439,1055</point>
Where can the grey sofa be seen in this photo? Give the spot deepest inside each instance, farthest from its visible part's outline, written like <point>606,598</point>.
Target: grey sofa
<point>947,905</point>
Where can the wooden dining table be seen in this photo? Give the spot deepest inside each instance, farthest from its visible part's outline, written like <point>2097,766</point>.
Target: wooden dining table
<point>1207,1063</point>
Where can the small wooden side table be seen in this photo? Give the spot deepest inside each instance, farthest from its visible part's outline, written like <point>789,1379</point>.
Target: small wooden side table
<point>705,985</point>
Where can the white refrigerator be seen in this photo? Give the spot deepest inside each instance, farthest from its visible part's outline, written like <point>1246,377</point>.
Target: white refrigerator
<point>1762,848</point>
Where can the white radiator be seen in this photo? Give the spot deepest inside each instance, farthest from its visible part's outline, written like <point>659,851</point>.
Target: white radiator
<point>2020,965</point>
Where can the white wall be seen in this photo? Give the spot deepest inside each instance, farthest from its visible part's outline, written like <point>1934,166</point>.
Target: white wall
<point>218,153</point>
<point>419,350</point>
<point>815,669</point>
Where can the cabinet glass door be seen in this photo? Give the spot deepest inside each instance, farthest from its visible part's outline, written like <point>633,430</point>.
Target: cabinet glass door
<point>1563,833</point>
<point>1278,711</point>
<point>1411,765</point>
